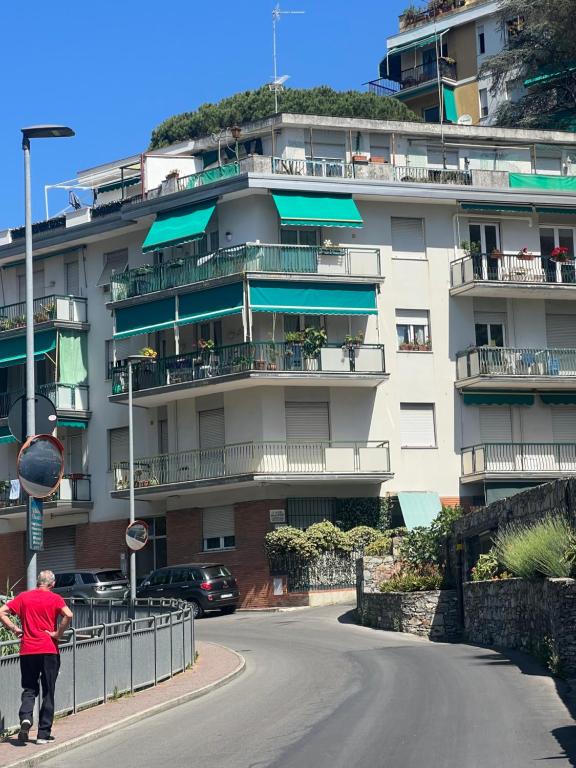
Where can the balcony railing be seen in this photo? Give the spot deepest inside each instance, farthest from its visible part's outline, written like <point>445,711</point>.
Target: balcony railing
<point>506,458</point>
<point>250,257</point>
<point>339,169</point>
<point>417,175</point>
<point>508,268</point>
<point>435,9</point>
<point>504,361</point>
<point>383,86</point>
<point>46,309</point>
<point>66,397</point>
<point>270,458</point>
<point>423,73</point>
<point>248,357</point>
<point>74,487</point>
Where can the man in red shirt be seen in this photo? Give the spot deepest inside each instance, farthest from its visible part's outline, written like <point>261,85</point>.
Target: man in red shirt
<point>38,611</point>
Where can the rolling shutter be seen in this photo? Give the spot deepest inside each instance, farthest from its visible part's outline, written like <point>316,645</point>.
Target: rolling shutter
<point>218,521</point>
<point>307,422</point>
<point>561,331</point>
<point>417,425</point>
<point>408,237</point>
<point>211,428</point>
<point>59,553</point>
<point>495,424</point>
<point>118,445</point>
<point>564,424</point>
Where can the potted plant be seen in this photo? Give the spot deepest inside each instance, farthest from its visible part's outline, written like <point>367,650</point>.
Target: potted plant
<point>524,254</point>
<point>470,247</point>
<point>377,159</point>
<point>561,254</point>
<point>314,340</point>
<point>351,341</point>
<point>148,352</point>
<point>496,253</point>
<point>145,269</point>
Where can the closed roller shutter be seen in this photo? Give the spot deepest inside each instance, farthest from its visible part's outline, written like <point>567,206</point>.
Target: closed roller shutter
<point>561,331</point>
<point>307,422</point>
<point>211,428</point>
<point>564,424</point>
<point>408,237</point>
<point>495,424</point>
<point>417,425</point>
<point>59,553</point>
<point>118,445</point>
<point>218,521</point>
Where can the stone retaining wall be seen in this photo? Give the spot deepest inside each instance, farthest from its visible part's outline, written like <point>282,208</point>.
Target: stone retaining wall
<point>429,614</point>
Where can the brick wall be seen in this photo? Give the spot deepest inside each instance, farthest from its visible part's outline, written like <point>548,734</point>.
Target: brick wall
<point>99,545</point>
<point>12,561</point>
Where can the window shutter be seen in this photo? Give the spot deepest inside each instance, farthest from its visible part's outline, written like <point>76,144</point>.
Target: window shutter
<point>412,316</point>
<point>59,553</point>
<point>307,422</point>
<point>115,261</point>
<point>564,424</point>
<point>561,331</point>
<point>218,521</point>
<point>408,237</point>
<point>72,278</point>
<point>211,429</point>
<point>39,289</point>
<point>417,425</point>
<point>119,445</point>
<point>495,424</point>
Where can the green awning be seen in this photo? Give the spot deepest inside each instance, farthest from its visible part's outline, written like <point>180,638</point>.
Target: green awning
<point>179,226</point>
<point>73,357</point>
<point>73,424</point>
<point>557,211</point>
<point>495,208</point>
<point>118,185</point>
<point>13,351</point>
<point>450,111</point>
<point>419,43</point>
<point>310,210</point>
<point>497,398</point>
<point>540,181</point>
<point>548,75</point>
<point>558,398</point>
<point>208,305</point>
<point>6,436</point>
<point>312,298</point>
<point>144,318</point>
<point>419,508</point>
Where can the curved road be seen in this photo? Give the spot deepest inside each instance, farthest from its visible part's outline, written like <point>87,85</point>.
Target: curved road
<point>320,692</point>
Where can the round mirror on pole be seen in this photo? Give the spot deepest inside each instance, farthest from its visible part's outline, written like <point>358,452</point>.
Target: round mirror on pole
<point>40,465</point>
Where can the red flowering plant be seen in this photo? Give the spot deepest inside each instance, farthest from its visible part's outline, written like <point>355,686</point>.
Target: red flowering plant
<point>561,253</point>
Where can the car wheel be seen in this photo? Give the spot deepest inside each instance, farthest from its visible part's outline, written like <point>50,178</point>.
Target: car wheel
<point>228,609</point>
<point>197,610</point>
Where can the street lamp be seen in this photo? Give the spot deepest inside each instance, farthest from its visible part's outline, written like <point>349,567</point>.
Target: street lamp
<point>236,131</point>
<point>32,132</point>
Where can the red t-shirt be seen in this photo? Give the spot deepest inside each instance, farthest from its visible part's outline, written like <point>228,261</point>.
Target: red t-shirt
<point>38,611</point>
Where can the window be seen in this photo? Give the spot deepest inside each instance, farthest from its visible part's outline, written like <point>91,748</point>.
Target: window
<point>413,329</point>
<point>73,442</point>
<point>160,579</point>
<point>72,274</point>
<point>308,236</point>
<point>162,430</point>
<point>483,96</point>
<point>489,329</point>
<point>417,429</point>
<point>88,578</point>
<point>495,424</point>
<point>431,114</point>
<point>153,555</point>
<point>486,237</point>
<point>115,261</point>
<point>557,237</point>
<point>294,323</point>
<point>117,446</point>
<point>481,40</point>
<point>108,357</point>
<point>408,238</point>
<point>301,513</point>
<point>38,285</point>
<point>211,330</point>
<point>65,580</point>
<point>514,26</point>
<point>218,528</point>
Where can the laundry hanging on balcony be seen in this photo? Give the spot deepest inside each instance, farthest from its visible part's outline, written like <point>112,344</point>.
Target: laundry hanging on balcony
<point>179,226</point>
<point>144,318</point>
<point>13,351</point>
<point>72,358</point>
<point>200,306</point>
<point>312,298</point>
<point>313,210</point>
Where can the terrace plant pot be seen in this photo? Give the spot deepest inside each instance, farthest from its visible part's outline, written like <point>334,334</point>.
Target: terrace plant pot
<point>376,159</point>
<point>259,365</point>
<point>359,158</point>
<point>496,254</point>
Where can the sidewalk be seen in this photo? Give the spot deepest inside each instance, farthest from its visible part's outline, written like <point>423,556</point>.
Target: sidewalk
<point>216,666</point>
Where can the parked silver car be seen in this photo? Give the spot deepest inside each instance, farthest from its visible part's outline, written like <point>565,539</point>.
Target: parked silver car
<point>92,582</point>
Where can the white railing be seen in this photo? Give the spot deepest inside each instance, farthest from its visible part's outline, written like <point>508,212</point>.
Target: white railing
<point>525,361</point>
<point>505,458</point>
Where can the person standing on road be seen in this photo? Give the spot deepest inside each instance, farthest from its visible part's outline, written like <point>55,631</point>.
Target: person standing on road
<point>38,610</point>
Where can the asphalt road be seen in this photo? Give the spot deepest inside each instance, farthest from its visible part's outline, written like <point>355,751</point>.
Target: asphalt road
<point>320,692</point>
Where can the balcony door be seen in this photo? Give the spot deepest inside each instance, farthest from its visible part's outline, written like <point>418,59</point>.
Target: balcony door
<point>561,341</point>
<point>211,439</point>
<point>496,436</point>
<point>564,432</point>
<point>486,237</point>
<point>557,237</point>
<point>307,433</point>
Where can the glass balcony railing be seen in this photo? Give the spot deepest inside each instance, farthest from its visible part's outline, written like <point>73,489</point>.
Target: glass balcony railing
<point>66,397</point>
<point>250,257</point>
<point>46,309</point>
<point>511,268</point>
<point>73,488</point>
<point>518,458</point>
<point>248,357</point>
<point>269,458</point>
<point>504,361</point>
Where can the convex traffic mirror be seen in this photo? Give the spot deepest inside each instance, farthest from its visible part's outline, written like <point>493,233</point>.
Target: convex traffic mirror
<point>40,465</point>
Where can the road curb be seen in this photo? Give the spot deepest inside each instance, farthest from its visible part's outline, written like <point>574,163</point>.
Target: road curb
<point>157,709</point>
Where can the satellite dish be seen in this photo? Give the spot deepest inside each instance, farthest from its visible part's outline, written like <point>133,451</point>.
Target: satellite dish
<point>465,120</point>
<point>74,201</point>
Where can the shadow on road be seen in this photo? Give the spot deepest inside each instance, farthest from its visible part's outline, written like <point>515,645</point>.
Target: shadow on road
<point>349,617</point>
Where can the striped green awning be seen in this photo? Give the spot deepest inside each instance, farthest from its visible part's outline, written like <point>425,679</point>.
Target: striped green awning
<point>312,298</point>
<point>495,208</point>
<point>144,318</point>
<point>13,351</point>
<point>208,305</point>
<point>556,211</point>
<point>6,436</point>
<point>450,111</point>
<point>558,398</point>
<point>498,398</point>
<point>419,43</point>
<point>312,210</point>
<point>540,181</point>
<point>113,185</point>
<point>72,424</point>
<point>419,508</point>
<point>179,226</point>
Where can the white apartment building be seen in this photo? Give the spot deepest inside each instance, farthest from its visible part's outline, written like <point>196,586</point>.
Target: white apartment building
<point>447,369</point>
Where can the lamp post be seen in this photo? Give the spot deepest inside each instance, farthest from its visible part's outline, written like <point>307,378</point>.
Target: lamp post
<point>236,131</point>
<point>32,132</point>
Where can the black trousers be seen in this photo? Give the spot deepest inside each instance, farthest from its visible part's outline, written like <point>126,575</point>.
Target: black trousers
<point>35,669</point>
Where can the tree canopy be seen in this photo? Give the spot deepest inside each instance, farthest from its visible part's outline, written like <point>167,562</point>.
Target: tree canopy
<point>259,104</point>
<point>540,42</point>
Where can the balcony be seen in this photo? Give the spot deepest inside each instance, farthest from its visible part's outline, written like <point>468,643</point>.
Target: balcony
<point>518,368</point>
<point>59,310</point>
<point>75,492</point>
<point>436,8</point>
<point>69,399</point>
<point>253,463</point>
<point>251,257</point>
<point>426,73</point>
<point>511,276</point>
<point>538,461</point>
<point>409,173</point>
<point>244,365</point>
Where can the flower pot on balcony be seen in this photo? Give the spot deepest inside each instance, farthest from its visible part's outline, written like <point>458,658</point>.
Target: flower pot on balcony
<point>561,254</point>
<point>496,254</point>
<point>272,367</point>
<point>359,158</point>
<point>376,159</point>
<point>524,255</point>
<point>259,365</point>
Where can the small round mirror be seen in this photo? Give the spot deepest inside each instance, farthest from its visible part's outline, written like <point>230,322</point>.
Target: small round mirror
<point>137,535</point>
<point>40,465</point>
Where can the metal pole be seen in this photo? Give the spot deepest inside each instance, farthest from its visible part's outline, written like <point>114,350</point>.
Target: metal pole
<point>30,394</point>
<point>131,481</point>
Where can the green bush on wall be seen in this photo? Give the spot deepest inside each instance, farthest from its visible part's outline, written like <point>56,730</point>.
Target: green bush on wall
<point>373,512</point>
<point>530,551</point>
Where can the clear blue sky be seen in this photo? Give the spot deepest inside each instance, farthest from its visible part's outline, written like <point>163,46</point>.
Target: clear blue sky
<point>114,69</point>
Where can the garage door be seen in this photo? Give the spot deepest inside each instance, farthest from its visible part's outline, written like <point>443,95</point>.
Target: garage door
<point>59,553</point>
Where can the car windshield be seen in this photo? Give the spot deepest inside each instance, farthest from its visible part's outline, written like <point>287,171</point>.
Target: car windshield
<point>216,571</point>
<point>110,576</point>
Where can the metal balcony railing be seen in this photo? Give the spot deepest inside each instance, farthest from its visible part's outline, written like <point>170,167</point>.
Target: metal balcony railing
<point>505,361</point>
<point>74,487</point>
<point>66,397</point>
<point>423,73</point>
<point>417,175</point>
<point>506,458</point>
<point>250,257</point>
<point>249,356</point>
<point>268,458</point>
<point>383,86</point>
<point>46,309</point>
<point>511,268</point>
<point>339,169</point>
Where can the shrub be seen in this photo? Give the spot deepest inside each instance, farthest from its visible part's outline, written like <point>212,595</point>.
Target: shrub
<point>379,547</point>
<point>361,536</point>
<point>422,579</point>
<point>422,546</point>
<point>290,540</point>
<point>535,550</point>
<point>371,512</point>
<point>326,537</point>
<point>486,568</point>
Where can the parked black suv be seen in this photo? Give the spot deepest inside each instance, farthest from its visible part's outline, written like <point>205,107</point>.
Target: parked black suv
<point>207,586</point>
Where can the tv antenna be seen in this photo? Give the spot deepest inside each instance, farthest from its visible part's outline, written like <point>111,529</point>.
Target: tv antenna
<point>278,82</point>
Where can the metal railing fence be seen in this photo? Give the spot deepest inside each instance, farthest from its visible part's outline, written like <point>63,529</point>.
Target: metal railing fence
<point>521,361</point>
<point>505,458</point>
<point>46,309</point>
<point>107,659</point>
<point>511,268</point>
<point>67,397</point>
<point>412,173</point>
<point>330,570</point>
<point>74,487</point>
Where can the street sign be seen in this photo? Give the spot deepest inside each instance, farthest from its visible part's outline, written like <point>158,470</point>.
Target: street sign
<point>137,535</point>
<point>45,417</point>
<point>35,525</point>
<point>40,465</point>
